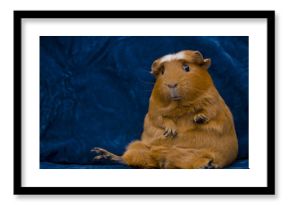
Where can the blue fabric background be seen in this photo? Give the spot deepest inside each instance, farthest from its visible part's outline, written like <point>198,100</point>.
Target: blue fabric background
<point>94,91</point>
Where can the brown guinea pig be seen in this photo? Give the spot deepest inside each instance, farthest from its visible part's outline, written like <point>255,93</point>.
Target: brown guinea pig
<point>188,124</point>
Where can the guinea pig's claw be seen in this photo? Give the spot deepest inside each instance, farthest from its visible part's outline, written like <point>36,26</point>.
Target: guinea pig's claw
<point>98,150</point>
<point>210,165</point>
<point>99,157</point>
<point>200,119</point>
<point>106,155</point>
<point>169,132</point>
<point>102,153</point>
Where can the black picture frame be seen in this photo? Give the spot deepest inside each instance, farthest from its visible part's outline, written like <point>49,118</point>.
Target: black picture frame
<point>268,190</point>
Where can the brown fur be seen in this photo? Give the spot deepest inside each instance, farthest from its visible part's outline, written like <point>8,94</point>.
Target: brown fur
<point>193,130</point>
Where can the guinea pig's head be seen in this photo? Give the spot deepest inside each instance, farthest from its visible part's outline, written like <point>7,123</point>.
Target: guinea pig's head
<point>182,76</point>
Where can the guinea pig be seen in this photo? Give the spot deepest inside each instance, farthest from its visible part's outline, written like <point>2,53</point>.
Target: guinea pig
<point>188,124</point>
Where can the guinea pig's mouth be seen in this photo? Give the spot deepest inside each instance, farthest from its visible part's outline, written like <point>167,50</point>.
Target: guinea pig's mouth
<point>174,94</point>
<point>175,98</point>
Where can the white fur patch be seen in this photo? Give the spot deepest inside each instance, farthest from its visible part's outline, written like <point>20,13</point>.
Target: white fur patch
<point>171,57</point>
<point>180,55</point>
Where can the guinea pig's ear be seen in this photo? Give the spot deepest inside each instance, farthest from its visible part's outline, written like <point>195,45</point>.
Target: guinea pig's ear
<point>197,57</point>
<point>192,56</point>
<point>206,63</point>
<point>156,67</point>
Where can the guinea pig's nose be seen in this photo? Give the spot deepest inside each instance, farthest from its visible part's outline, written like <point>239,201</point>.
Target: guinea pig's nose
<point>172,85</point>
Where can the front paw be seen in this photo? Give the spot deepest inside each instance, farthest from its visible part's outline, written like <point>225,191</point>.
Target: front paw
<point>200,118</point>
<point>170,132</point>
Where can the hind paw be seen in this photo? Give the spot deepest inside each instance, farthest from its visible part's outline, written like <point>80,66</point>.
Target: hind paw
<point>210,165</point>
<point>102,154</point>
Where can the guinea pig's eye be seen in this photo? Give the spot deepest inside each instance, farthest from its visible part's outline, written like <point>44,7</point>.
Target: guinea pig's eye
<point>186,68</point>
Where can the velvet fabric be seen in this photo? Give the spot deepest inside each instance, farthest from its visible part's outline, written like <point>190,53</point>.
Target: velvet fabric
<point>94,91</point>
